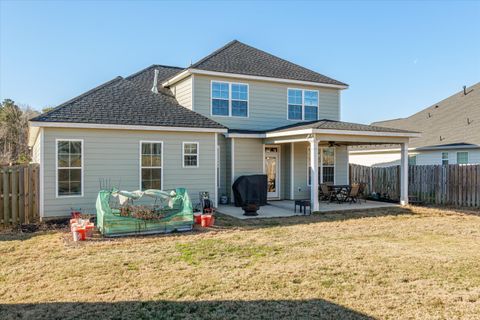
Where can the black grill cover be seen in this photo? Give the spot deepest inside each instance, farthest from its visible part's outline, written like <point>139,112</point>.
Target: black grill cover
<point>250,189</point>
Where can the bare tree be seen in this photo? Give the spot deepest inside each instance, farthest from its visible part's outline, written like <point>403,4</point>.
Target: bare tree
<point>14,132</point>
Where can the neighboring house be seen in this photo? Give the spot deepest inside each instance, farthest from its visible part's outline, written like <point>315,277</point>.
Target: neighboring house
<point>237,111</point>
<point>450,134</point>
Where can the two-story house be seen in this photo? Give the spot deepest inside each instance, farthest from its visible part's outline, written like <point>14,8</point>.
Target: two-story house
<point>237,111</point>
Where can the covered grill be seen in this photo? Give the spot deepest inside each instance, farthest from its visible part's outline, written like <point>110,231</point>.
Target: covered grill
<point>250,189</point>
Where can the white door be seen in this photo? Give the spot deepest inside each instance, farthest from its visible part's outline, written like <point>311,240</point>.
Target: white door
<point>272,171</point>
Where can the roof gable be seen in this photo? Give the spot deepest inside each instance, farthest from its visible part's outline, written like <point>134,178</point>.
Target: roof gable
<point>239,58</point>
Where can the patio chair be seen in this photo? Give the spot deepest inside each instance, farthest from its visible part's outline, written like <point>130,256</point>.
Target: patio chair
<point>361,192</point>
<point>328,194</point>
<point>352,195</point>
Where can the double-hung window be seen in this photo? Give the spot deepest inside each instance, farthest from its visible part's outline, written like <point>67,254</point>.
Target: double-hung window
<point>190,154</point>
<point>151,165</point>
<point>326,165</point>
<point>444,158</point>
<point>302,104</point>
<point>229,99</point>
<point>69,167</point>
<point>462,157</point>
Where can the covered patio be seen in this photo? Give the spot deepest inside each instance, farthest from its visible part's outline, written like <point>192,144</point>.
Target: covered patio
<point>299,157</point>
<point>285,208</point>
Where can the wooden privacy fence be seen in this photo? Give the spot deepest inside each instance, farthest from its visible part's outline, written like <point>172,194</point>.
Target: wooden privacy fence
<point>455,184</point>
<point>19,194</point>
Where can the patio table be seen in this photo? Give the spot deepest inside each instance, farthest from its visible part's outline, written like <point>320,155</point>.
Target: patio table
<point>339,189</point>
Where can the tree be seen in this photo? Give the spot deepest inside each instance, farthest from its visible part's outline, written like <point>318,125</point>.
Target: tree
<point>14,132</point>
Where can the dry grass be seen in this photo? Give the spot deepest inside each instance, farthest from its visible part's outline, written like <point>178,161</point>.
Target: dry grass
<point>414,263</point>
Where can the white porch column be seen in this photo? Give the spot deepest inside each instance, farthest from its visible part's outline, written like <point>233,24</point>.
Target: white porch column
<point>314,174</point>
<point>404,174</point>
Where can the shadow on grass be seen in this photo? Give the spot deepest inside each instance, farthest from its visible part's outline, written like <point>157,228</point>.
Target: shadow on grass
<point>258,309</point>
<point>227,221</point>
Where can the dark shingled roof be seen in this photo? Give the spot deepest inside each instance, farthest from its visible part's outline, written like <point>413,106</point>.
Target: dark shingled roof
<point>337,125</point>
<point>144,78</point>
<point>123,102</point>
<point>239,58</point>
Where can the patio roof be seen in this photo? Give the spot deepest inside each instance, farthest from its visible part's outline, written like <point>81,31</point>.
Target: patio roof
<point>324,126</point>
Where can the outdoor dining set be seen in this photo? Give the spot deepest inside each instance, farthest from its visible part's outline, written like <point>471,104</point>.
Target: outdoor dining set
<point>331,193</point>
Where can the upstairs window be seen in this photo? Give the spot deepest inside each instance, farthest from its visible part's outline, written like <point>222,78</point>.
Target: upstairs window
<point>462,157</point>
<point>69,168</point>
<point>445,158</point>
<point>190,154</point>
<point>229,99</point>
<point>302,104</point>
<point>151,165</point>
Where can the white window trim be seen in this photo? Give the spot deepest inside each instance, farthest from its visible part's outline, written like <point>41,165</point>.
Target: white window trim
<point>468,156</point>
<point>320,164</point>
<point>441,158</point>
<point>57,168</point>
<point>155,167</point>
<point>229,99</point>
<point>303,104</point>
<point>190,154</point>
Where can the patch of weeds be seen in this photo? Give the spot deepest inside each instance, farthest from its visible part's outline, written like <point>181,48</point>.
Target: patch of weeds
<point>194,253</point>
<point>131,266</point>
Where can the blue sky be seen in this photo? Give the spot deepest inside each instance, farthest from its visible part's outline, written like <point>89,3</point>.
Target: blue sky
<point>397,57</point>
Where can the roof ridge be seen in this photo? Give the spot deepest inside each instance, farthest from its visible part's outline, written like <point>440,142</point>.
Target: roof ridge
<point>151,66</point>
<point>214,53</point>
<point>310,70</point>
<point>83,95</point>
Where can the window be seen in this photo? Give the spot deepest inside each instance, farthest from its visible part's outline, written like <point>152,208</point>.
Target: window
<point>412,160</point>
<point>326,162</point>
<point>294,104</point>
<point>444,158</point>
<point>328,165</point>
<point>462,157</point>
<point>69,167</point>
<point>151,165</point>
<point>302,104</point>
<point>229,99</point>
<point>190,154</point>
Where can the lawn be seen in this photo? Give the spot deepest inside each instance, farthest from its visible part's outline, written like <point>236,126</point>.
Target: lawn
<point>395,263</point>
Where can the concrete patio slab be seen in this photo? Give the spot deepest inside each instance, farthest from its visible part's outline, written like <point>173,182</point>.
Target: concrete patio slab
<point>284,208</point>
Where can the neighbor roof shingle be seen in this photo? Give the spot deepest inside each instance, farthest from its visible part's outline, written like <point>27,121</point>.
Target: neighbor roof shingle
<point>123,102</point>
<point>239,58</point>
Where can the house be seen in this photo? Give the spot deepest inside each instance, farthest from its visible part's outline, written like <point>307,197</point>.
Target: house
<point>450,134</point>
<point>238,111</point>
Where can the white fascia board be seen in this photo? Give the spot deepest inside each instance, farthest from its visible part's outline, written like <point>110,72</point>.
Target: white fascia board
<point>289,133</point>
<point>182,75</point>
<point>368,133</point>
<point>187,72</point>
<point>245,135</point>
<point>120,127</point>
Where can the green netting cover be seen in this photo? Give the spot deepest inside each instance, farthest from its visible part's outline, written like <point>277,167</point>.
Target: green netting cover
<point>174,208</point>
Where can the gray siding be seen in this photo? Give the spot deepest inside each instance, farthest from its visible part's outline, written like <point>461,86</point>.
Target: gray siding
<point>267,103</point>
<point>301,190</point>
<point>114,155</point>
<point>183,92</point>
<point>285,166</point>
<point>341,165</point>
<point>248,157</point>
